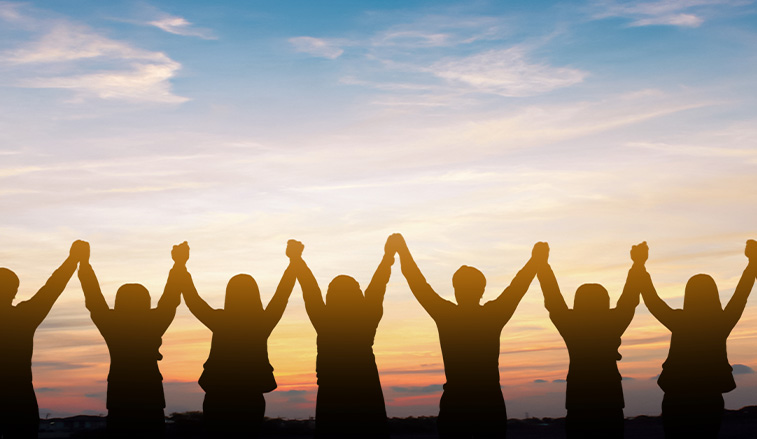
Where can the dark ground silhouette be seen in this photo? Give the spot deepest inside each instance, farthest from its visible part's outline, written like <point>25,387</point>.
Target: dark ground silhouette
<point>238,371</point>
<point>737,424</point>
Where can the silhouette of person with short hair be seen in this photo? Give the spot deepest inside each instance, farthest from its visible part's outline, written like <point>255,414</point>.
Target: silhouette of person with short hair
<point>133,332</point>
<point>592,331</point>
<point>350,402</point>
<point>238,372</point>
<point>697,372</point>
<point>19,413</point>
<point>472,405</point>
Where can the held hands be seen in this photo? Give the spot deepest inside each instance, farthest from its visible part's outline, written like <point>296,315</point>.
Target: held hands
<point>180,253</point>
<point>751,251</point>
<point>80,251</point>
<point>294,249</point>
<point>540,253</point>
<point>395,243</point>
<point>640,253</point>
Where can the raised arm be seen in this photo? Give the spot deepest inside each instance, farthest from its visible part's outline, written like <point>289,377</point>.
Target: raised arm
<point>197,306</point>
<point>169,301</point>
<point>629,298</point>
<point>278,303</point>
<point>662,312</point>
<point>426,296</point>
<point>40,304</point>
<point>311,292</point>
<point>374,294</point>
<point>553,298</point>
<point>509,299</point>
<point>736,305</point>
<point>93,296</point>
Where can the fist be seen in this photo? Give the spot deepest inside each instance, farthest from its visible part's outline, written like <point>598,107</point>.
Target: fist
<point>540,253</point>
<point>294,249</point>
<point>640,253</point>
<point>751,250</point>
<point>80,251</point>
<point>180,253</point>
<point>394,243</point>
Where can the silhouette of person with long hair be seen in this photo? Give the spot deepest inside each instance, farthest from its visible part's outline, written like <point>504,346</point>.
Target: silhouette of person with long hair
<point>19,413</point>
<point>350,403</point>
<point>697,372</point>
<point>472,405</point>
<point>238,372</point>
<point>133,332</point>
<point>592,331</point>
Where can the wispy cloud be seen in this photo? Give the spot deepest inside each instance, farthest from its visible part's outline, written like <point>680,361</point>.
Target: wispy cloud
<point>180,26</point>
<point>682,13</point>
<point>506,72</point>
<point>121,71</point>
<point>317,47</point>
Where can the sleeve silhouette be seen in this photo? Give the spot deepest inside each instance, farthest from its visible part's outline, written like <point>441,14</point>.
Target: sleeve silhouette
<point>374,293</point>
<point>42,302</point>
<point>629,298</point>
<point>278,303</point>
<point>553,298</point>
<point>662,312</point>
<point>311,293</point>
<point>93,296</point>
<point>426,296</point>
<point>736,305</point>
<point>197,306</point>
<point>508,301</point>
<point>169,301</point>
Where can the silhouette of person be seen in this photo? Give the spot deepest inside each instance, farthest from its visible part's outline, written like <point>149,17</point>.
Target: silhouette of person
<point>697,372</point>
<point>19,414</point>
<point>592,331</point>
<point>133,332</point>
<point>350,403</point>
<point>237,371</point>
<point>472,405</point>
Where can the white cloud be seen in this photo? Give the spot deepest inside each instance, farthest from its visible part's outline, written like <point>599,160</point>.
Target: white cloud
<point>506,72</point>
<point>121,71</point>
<point>180,26</point>
<point>317,47</point>
<point>682,13</point>
<point>683,20</point>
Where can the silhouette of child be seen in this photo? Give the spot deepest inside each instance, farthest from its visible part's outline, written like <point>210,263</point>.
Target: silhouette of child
<point>472,405</point>
<point>350,403</point>
<point>237,371</point>
<point>697,372</point>
<point>133,332</point>
<point>19,414</point>
<point>592,331</point>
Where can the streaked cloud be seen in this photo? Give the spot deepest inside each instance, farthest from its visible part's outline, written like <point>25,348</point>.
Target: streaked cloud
<point>318,47</point>
<point>180,26</point>
<point>681,13</point>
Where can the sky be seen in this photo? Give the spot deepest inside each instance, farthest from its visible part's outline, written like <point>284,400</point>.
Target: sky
<point>475,129</point>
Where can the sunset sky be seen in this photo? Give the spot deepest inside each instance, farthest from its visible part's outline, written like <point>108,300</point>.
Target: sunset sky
<point>473,128</point>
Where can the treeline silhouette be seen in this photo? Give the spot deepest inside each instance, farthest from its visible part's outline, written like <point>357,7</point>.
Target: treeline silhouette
<point>350,402</point>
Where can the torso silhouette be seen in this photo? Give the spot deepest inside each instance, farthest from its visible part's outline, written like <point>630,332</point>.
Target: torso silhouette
<point>238,358</point>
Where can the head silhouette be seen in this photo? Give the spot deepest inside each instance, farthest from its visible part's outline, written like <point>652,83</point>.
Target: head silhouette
<point>344,294</point>
<point>591,298</point>
<point>8,285</point>
<point>701,296</point>
<point>243,295</point>
<point>132,298</point>
<point>469,285</point>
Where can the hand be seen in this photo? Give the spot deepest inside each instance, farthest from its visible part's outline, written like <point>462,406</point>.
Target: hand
<point>80,251</point>
<point>180,253</point>
<point>540,253</point>
<point>294,249</point>
<point>751,250</point>
<point>393,244</point>
<point>640,253</point>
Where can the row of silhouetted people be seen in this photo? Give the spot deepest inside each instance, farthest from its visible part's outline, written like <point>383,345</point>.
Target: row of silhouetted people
<point>350,402</point>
